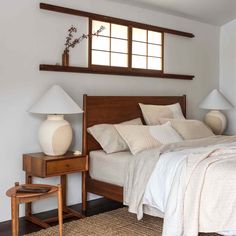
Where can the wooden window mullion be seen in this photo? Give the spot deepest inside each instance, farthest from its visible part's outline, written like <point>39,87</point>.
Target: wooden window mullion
<point>130,47</point>
<point>110,47</point>
<point>147,50</point>
<point>162,51</point>
<point>90,43</point>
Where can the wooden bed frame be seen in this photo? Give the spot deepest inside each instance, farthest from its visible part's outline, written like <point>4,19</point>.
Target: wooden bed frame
<point>112,110</point>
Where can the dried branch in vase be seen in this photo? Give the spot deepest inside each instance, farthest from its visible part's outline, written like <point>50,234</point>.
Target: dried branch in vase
<point>70,43</point>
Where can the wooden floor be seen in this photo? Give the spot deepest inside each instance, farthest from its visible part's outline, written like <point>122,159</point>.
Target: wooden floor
<point>94,207</point>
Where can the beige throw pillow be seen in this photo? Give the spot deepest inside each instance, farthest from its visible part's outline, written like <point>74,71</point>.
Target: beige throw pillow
<point>189,129</point>
<point>153,113</point>
<point>108,138</point>
<point>140,138</point>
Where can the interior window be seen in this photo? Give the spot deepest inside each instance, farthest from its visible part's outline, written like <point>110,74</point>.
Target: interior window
<point>114,48</point>
<point>110,48</point>
<point>146,49</point>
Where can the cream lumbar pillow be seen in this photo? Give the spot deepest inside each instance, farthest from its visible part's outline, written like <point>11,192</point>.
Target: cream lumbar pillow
<point>140,138</point>
<point>108,138</point>
<point>153,113</point>
<point>189,129</point>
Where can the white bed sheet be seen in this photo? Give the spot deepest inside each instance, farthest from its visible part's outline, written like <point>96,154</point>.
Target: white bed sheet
<point>109,168</point>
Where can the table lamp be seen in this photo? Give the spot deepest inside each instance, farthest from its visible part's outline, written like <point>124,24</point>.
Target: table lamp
<point>55,133</point>
<point>215,119</point>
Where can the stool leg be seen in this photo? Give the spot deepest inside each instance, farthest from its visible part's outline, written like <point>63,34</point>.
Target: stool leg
<point>15,216</point>
<point>60,210</point>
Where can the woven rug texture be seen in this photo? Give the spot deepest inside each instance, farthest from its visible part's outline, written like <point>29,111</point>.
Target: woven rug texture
<point>118,222</point>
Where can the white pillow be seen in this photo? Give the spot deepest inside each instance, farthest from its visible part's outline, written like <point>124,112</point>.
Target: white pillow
<point>189,129</point>
<point>108,138</point>
<point>140,138</point>
<point>153,113</point>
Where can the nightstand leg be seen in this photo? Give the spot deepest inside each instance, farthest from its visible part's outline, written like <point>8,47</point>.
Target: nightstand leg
<point>28,206</point>
<point>64,190</point>
<point>64,199</point>
<point>84,192</point>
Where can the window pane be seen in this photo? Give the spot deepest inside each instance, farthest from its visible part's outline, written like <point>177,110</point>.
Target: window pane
<point>97,24</point>
<point>154,37</point>
<point>139,62</point>
<point>118,59</point>
<point>139,34</point>
<point>119,31</point>
<point>139,48</point>
<point>154,50</point>
<point>154,63</point>
<point>102,43</point>
<point>119,45</point>
<point>100,58</point>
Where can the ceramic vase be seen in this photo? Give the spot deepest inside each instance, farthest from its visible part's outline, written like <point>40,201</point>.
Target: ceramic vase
<point>65,58</point>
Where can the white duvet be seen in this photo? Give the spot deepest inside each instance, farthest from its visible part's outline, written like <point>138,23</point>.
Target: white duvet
<point>160,183</point>
<point>193,184</point>
<point>167,187</point>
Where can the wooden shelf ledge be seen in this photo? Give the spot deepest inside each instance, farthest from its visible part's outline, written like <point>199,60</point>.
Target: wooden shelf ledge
<point>116,71</point>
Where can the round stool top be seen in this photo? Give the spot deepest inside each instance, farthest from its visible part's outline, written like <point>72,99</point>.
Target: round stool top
<point>12,191</point>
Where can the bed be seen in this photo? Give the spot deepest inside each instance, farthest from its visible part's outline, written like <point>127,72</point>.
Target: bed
<point>191,183</point>
<point>112,110</point>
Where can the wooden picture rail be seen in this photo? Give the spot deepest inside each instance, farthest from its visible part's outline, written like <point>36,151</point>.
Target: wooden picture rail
<point>113,19</point>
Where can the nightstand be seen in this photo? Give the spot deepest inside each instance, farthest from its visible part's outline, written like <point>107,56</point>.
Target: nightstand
<point>40,165</point>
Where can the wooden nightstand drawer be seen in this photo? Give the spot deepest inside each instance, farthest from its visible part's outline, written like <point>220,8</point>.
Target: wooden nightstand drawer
<point>66,166</point>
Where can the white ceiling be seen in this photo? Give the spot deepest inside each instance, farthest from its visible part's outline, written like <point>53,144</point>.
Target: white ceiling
<point>216,12</point>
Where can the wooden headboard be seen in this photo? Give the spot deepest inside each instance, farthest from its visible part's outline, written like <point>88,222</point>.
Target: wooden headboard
<point>116,109</point>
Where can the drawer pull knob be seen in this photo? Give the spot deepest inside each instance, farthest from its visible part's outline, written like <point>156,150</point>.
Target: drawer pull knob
<point>67,165</point>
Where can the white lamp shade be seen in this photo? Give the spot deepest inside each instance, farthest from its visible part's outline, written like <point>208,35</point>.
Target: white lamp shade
<point>215,101</point>
<point>55,101</point>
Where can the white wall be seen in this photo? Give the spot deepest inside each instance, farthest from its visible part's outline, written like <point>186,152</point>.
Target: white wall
<point>228,70</point>
<point>30,36</point>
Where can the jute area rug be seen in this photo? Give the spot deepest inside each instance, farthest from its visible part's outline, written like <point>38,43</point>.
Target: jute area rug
<point>118,222</point>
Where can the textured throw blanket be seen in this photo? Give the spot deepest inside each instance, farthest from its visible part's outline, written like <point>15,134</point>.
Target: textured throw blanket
<point>196,201</point>
<point>138,173</point>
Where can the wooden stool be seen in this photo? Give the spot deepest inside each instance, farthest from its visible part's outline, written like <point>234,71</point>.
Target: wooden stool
<point>18,198</point>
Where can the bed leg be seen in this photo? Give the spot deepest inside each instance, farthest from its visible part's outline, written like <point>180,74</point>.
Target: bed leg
<point>84,193</point>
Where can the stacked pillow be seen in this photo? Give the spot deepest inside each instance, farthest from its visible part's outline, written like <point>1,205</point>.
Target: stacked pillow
<point>189,129</point>
<point>143,137</point>
<point>165,124</point>
<point>108,138</point>
<point>153,113</point>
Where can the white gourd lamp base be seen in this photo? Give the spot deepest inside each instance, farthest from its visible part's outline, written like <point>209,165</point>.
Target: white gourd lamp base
<point>55,135</point>
<point>216,120</point>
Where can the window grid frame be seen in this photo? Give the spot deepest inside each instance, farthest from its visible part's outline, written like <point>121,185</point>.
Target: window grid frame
<point>129,49</point>
<point>110,37</point>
